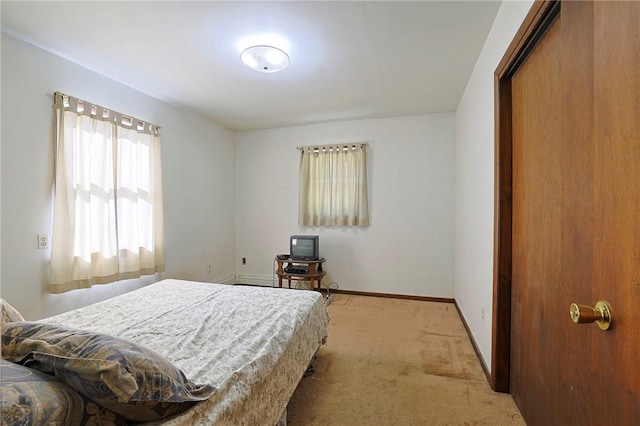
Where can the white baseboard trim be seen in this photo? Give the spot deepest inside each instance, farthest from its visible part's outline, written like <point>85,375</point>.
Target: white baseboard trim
<point>226,279</point>
<point>263,280</point>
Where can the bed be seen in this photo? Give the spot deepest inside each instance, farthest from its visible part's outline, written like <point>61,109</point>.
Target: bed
<point>249,346</point>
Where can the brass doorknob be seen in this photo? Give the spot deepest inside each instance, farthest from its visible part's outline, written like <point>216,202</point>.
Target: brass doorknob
<point>600,314</point>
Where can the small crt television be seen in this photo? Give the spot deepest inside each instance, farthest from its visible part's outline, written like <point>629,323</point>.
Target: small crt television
<point>304,247</point>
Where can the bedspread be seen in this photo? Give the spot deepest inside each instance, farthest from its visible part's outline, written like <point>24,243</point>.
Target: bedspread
<point>252,343</point>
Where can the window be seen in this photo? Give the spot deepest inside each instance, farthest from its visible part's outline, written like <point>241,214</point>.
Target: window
<point>333,186</point>
<point>108,217</point>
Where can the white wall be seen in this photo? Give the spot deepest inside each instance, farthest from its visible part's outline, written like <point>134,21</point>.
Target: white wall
<point>408,247</point>
<point>413,176</point>
<point>475,180</point>
<point>197,158</point>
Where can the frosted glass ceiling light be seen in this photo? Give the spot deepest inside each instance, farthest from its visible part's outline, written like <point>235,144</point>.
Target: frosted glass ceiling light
<point>265,58</point>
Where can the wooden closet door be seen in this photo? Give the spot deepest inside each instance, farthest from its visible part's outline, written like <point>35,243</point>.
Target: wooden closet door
<point>576,218</point>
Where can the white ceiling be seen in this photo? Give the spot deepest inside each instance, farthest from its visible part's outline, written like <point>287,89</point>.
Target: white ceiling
<point>349,60</point>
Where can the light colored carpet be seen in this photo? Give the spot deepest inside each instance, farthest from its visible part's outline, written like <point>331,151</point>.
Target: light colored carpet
<point>397,362</point>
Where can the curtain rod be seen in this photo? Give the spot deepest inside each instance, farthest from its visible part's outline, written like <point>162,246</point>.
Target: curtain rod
<point>345,146</point>
<point>80,106</point>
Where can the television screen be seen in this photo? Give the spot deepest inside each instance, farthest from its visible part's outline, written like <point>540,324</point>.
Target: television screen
<point>304,247</point>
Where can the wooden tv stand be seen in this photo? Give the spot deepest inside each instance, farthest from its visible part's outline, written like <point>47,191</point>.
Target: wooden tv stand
<point>314,274</point>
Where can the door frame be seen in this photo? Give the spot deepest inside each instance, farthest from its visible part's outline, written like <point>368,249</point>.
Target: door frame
<point>540,17</point>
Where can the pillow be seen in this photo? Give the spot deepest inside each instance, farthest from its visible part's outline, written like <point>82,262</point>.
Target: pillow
<point>30,397</point>
<point>124,377</point>
<point>9,313</point>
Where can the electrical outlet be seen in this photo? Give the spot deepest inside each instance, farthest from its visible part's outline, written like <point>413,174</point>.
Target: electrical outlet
<point>244,260</point>
<point>43,241</point>
<point>209,269</point>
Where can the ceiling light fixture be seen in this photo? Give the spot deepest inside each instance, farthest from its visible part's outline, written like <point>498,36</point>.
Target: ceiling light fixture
<point>265,58</point>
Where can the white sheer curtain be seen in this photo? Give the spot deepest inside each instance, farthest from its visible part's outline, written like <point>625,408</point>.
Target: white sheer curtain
<point>333,186</point>
<point>108,216</point>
